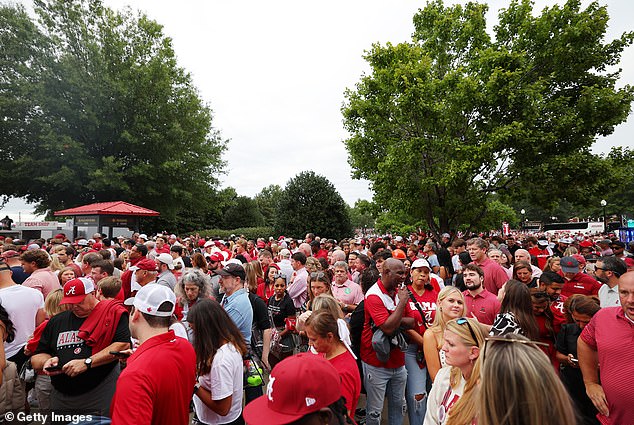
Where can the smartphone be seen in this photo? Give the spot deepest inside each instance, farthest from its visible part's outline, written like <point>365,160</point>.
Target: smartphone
<point>120,354</point>
<point>574,360</point>
<point>53,368</point>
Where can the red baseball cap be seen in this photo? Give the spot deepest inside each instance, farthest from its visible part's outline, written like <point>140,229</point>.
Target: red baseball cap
<point>586,244</point>
<point>75,290</point>
<point>146,264</point>
<point>298,385</point>
<point>216,256</point>
<point>201,242</point>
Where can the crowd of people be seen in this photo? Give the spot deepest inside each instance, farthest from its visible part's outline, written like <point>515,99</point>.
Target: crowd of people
<point>502,329</point>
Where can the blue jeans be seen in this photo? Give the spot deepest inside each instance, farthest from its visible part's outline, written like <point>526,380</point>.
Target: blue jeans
<point>416,385</point>
<point>381,384</point>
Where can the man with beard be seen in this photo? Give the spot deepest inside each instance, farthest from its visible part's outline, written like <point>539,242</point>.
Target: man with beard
<point>552,283</point>
<point>479,302</point>
<point>608,270</point>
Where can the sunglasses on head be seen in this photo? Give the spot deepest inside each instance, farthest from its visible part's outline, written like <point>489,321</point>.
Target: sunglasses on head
<point>495,339</point>
<point>462,321</point>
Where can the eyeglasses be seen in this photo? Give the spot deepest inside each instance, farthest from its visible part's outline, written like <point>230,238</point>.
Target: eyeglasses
<point>462,321</point>
<point>602,268</point>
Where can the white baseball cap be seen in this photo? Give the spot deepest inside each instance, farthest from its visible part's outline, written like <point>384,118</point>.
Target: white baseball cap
<point>150,297</point>
<point>166,259</point>
<point>421,262</point>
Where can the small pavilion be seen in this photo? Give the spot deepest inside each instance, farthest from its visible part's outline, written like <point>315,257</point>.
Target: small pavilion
<point>107,216</point>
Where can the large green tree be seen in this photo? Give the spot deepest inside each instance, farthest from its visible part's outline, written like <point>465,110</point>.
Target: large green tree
<point>267,201</point>
<point>310,203</point>
<point>98,109</point>
<point>443,125</point>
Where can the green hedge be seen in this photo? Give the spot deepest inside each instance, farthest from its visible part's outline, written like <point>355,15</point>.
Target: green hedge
<point>248,232</point>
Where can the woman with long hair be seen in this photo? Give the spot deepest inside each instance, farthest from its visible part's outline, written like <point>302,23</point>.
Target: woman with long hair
<point>581,308</point>
<point>193,286</point>
<point>449,305</point>
<point>265,289</point>
<point>199,262</point>
<point>553,264</point>
<point>254,275</point>
<point>422,301</point>
<point>453,397</point>
<point>523,272</point>
<point>514,368</point>
<point>324,336</point>
<point>318,283</point>
<point>516,312</point>
<point>219,348</point>
<point>66,274</point>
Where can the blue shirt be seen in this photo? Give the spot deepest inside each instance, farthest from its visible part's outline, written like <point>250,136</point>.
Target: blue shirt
<point>238,307</point>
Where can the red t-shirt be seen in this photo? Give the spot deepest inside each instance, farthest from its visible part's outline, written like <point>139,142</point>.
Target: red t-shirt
<point>347,367</point>
<point>265,292</point>
<point>559,313</point>
<point>377,307</point>
<point>427,303</point>
<point>157,384</point>
<point>611,333</point>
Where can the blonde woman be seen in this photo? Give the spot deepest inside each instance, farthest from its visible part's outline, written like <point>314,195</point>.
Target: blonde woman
<point>512,367</point>
<point>450,305</point>
<point>454,395</point>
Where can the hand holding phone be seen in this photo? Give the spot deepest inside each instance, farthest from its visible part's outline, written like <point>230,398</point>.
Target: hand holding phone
<point>55,368</point>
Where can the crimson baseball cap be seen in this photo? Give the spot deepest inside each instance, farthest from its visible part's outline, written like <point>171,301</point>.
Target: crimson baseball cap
<point>216,256</point>
<point>298,385</point>
<point>75,290</point>
<point>146,264</point>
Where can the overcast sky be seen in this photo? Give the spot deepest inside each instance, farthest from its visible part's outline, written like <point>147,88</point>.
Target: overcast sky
<point>274,74</point>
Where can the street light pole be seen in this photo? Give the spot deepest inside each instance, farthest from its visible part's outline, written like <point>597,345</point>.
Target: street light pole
<point>523,211</point>
<point>605,219</point>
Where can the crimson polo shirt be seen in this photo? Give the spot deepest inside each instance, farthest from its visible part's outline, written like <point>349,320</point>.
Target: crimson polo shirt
<point>158,383</point>
<point>378,306</point>
<point>582,284</point>
<point>611,333</point>
<point>484,306</point>
<point>494,275</point>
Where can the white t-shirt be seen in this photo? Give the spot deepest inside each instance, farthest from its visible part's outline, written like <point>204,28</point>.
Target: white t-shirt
<point>22,304</point>
<point>223,380</point>
<point>442,397</point>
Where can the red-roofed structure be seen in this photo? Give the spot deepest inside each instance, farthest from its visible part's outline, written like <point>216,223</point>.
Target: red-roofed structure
<point>107,216</point>
<point>109,208</point>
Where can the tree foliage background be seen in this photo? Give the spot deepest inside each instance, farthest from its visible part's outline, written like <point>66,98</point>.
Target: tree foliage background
<point>446,124</point>
<point>96,108</point>
<point>310,203</point>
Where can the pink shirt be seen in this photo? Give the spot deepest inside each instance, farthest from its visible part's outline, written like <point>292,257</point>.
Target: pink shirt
<point>484,306</point>
<point>348,293</point>
<point>44,280</point>
<point>494,275</point>
<point>611,333</point>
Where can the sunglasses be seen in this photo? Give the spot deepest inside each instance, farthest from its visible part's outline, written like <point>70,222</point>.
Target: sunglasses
<point>279,276</point>
<point>462,321</point>
<point>495,339</point>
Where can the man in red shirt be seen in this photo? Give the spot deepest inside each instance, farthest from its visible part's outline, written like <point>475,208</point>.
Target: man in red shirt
<point>385,304</point>
<point>552,284</point>
<point>607,340</point>
<point>158,382</point>
<point>576,281</point>
<point>479,302</point>
<point>494,275</point>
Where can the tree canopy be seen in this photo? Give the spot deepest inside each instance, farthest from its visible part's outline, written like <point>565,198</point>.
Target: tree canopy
<point>96,108</point>
<point>445,124</point>
<point>310,203</point>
